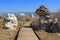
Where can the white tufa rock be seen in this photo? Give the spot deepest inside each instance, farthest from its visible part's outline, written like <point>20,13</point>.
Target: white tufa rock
<point>11,21</point>
<point>58,34</point>
<point>22,14</point>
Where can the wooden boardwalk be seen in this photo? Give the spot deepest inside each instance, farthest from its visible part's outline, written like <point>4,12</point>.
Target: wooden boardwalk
<point>26,33</point>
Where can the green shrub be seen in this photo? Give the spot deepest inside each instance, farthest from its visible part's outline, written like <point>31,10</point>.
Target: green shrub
<point>1,21</point>
<point>20,23</point>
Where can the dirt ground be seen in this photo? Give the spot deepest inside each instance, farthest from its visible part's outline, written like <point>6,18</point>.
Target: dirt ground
<point>7,34</point>
<point>43,35</point>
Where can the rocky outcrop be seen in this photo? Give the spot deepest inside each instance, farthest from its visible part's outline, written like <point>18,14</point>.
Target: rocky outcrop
<point>11,21</point>
<point>42,11</point>
<point>44,14</point>
<point>45,21</point>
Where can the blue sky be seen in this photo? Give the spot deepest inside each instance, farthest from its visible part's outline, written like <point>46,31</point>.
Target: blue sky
<point>27,5</point>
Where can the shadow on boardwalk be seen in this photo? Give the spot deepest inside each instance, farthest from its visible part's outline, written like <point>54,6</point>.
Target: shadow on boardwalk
<point>26,26</point>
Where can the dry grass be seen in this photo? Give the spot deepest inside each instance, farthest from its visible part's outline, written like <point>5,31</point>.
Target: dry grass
<point>21,22</point>
<point>7,34</point>
<point>1,22</point>
<point>47,36</point>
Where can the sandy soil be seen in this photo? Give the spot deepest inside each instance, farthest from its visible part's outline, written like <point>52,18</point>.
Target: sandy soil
<point>47,36</point>
<point>7,34</point>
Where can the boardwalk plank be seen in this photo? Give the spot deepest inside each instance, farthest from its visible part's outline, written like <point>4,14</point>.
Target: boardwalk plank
<point>27,33</point>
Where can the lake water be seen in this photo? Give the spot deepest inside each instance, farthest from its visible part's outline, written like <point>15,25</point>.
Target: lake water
<point>27,13</point>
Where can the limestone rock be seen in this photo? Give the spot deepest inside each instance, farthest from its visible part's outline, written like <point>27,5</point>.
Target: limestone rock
<point>11,21</point>
<point>42,11</point>
<point>45,21</point>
